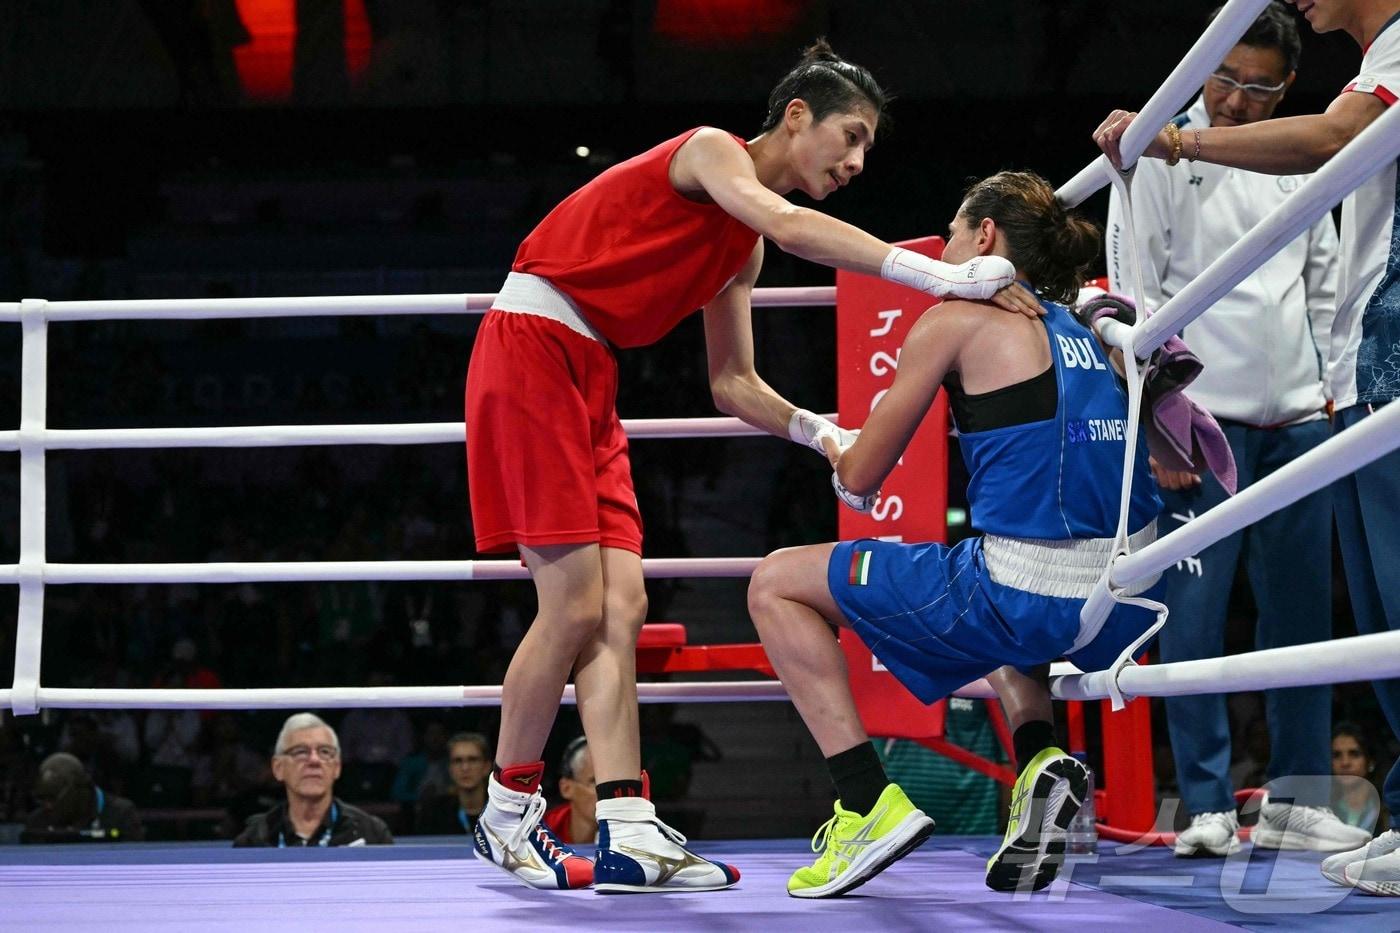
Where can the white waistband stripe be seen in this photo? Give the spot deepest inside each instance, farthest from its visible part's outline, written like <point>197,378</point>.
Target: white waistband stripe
<point>1067,569</point>
<point>523,293</point>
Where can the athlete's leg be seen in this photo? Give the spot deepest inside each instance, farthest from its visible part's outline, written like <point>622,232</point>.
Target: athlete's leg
<point>569,586</point>
<point>1025,698</point>
<point>793,610</point>
<point>606,674</point>
<point>1051,787</point>
<point>635,852</point>
<point>874,824</point>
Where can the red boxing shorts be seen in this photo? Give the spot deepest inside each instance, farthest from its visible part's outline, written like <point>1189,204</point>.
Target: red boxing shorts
<point>546,455</point>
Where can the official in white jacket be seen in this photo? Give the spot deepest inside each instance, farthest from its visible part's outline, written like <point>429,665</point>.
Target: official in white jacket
<point>1265,348</point>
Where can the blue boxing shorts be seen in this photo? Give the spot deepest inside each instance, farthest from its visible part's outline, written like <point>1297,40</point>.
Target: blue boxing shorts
<point>933,615</point>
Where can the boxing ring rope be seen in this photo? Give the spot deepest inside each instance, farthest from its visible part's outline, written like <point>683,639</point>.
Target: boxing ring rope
<point>654,568</point>
<point>188,309</point>
<point>361,697</point>
<point>298,435</point>
<point>34,439</point>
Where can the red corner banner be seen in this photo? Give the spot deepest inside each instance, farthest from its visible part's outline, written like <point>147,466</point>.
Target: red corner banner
<point>872,318</point>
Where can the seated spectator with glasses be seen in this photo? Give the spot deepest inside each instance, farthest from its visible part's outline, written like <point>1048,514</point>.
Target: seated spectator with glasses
<point>307,763</point>
<point>575,821</point>
<point>469,764</point>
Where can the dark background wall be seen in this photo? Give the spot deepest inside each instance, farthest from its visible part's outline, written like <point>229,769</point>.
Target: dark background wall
<point>119,100</point>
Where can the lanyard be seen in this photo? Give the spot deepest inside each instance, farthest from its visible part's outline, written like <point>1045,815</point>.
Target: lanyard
<point>101,805</point>
<point>325,839</point>
<point>464,819</point>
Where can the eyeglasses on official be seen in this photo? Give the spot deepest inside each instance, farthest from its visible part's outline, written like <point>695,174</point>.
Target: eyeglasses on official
<point>1260,93</point>
<point>303,752</point>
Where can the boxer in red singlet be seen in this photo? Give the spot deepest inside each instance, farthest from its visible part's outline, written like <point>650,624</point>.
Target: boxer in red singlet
<point>619,263</point>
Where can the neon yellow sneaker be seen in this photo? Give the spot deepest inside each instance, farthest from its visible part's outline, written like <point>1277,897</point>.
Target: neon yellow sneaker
<point>856,847</point>
<point>1047,795</point>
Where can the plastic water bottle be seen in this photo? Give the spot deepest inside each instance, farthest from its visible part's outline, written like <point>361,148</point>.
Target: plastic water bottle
<point>1083,829</point>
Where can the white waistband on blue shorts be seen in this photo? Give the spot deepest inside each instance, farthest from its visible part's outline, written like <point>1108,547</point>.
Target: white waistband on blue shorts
<point>523,293</point>
<point>1068,569</point>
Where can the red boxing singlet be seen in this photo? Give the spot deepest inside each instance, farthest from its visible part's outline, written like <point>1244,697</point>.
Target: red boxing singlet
<point>634,254</point>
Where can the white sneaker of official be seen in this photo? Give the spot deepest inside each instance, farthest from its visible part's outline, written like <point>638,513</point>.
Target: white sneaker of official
<point>1334,866</point>
<point>1294,826</point>
<point>1210,835</point>
<point>1379,875</point>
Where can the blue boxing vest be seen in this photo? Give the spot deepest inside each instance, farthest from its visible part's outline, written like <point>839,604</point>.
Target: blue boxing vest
<point>1062,478</point>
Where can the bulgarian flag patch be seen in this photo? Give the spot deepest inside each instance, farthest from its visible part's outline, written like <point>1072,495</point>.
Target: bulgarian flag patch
<point>860,568</point>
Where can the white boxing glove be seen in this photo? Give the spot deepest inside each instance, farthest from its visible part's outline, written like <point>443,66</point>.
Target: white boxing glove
<point>809,429</point>
<point>977,278</point>
<point>850,499</point>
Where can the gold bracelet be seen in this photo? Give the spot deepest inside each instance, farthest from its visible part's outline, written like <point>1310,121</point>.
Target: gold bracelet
<point>1174,139</point>
<point>1198,146</point>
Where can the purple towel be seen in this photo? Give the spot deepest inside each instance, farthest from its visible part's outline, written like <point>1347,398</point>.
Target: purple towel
<point>1181,434</point>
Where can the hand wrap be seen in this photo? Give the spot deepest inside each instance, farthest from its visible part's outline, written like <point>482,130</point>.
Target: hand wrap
<point>978,278</point>
<point>809,429</point>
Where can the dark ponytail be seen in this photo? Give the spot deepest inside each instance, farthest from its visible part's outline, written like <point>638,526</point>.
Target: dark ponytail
<point>827,83</point>
<point>1052,248</point>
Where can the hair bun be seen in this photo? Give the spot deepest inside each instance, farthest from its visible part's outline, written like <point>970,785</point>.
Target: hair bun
<point>820,51</point>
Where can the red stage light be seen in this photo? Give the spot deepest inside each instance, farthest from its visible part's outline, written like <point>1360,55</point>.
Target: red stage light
<point>724,22</point>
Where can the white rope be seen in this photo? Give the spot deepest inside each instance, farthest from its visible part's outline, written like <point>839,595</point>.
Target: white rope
<point>167,309</point>
<point>1135,376</point>
<point>1342,660</point>
<point>393,697</point>
<point>33,505</point>
<point>1186,79</point>
<point>654,568</point>
<point>33,439</point>
<point>311,435</point>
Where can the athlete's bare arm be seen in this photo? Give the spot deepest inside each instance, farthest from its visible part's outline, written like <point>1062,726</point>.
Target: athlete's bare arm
<point>734,383</point>
<point>713,163</point>
<point>929,353</point>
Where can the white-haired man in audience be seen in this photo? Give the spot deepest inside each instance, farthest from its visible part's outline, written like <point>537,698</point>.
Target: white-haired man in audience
<point>306,760</point>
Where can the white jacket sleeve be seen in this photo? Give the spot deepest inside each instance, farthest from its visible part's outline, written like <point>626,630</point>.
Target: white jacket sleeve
<point>1152,221</point>
<point>1320,279</point>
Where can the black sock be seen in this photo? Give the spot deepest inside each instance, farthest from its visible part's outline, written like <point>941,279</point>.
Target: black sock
<point>610,789</point>
<point>1031,739</point>
<point>859,777</point>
